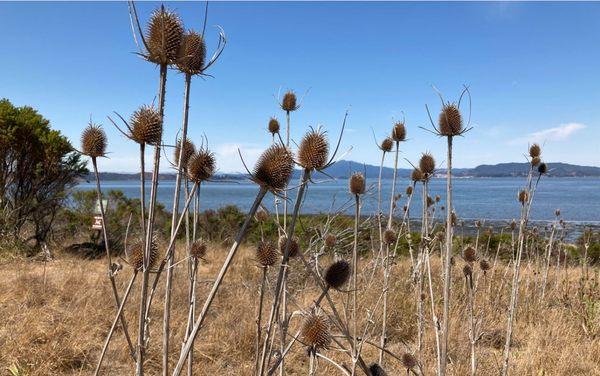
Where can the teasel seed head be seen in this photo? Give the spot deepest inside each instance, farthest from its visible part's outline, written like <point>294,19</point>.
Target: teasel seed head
<point>409,190</point>
<point>513,225</point>
<point>523,196</point>
<point>535,161</point>
<point>266,253</point>
<point>376,370</point>
<point>557,212</point>
<point>399,132</point>
<point>438,198</point>
<point>191,54</point>
<point>146,126</point>
<point>485,265</point>
<point>470,254</point>
<point>316,330</point>
<point>198,249</point>
<point>453,218</point>
<point>163,36</point>
<point>416,175</point>
<point>357,183</point>
<point>262,215</point>
<point>93,141</point>
<point>188,150</point>
<point>201,166</point>
<point>450,120</point>
<point>542,168</point>
<point>337,274</point>
<point>387,144</point>
<point>274,168</point>
<point>389,236</point>
<point>330,240</point>
<point>430,201</point>
<point>409,361</point>
<point>136,254</point>
<point>273,126</point>
<point>294,245</point>
<point>427,164</point>
<point>313,150</point>
<point>535,151</point>
<point>289,102</point>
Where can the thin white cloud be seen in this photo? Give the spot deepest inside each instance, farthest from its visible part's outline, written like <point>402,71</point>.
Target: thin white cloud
<point>559,133</point>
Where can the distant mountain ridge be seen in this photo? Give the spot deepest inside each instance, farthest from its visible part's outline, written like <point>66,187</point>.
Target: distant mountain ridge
<point>344,169</point>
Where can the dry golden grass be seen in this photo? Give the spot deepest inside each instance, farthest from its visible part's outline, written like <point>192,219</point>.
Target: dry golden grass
<point>58,327</point>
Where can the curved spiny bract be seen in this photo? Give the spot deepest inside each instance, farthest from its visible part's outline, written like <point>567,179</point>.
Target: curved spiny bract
<point>93,141</point>
<point>274,168</point>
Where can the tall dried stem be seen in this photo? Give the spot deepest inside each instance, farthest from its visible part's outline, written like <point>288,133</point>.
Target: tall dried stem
<point>447,266</point>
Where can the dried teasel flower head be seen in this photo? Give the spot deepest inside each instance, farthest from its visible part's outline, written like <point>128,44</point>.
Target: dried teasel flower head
<point>135,255</point>
<point>289,102</point>
<point>376,370</point>
<point>201,166</point>
<point>315,330</point>
<point>453,218</point>
<point>273,126</point>
<point>409,190</point>
<point>535,150</point>
<point>266,253</point>
<point>294,245</point>
<point>542,168</point>
<point>523,196</point>
<point>387,144</point>
<point>430,201</point>
<point>262,215</point>
<point>535,161</point>
<point>357,184</point>
<point>198,249</point>
<point>191,54</point>
<point>416,175</point>
<point>427,164</point>
<point>188,150</point>
<point>330,240</point>
<point>337,274</point>
<point>470,254</point>
<point>513,225</point>
<point>399,132</point>
<point>163,36</point>
<point>274,168</point>
<point>438,198</point>
<point>93,141</point>
<point>409,361</point>
<point>146,126</point>
<point>450,120</point>
<point>389,236</point>
<point>484,265</point>
<point>313,150</point>
<point>557,212</point>
<point>468,270</point>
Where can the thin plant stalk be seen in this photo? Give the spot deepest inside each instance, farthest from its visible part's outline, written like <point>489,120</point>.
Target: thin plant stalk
<point>355,281</point>
<point>448,255</point>
<point>259,319</point>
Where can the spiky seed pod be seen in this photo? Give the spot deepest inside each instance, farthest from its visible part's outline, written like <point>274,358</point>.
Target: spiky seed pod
<point>557,212</point>
<point>93,141</point>
<point>313,150</point>
<point>192,53</point>
<point>273,126</point>
<point>437,198</point>
<point>201,166</point>
<point>535,151</point>
<point>409,190</point>
<point>376,370</point>
<point>188,150</point>
<point>198,249</point>
<point>330,240</point>
<point>427,164</point>
<point>389,236</point>
<point>274,168</point>
<point>357,183</point>
<point>399,132</point>
<point>261,215</point>
<point>405,208</point>
<point>453,218</point>
<point>337,274</point>
<point>523,196</point>
<point>513,225</point>
<point>387,144</point>
<point>542,168</point>
<point>430,201</point>
<point>136,254</point>
<point>266,253</point>
<point>289,102</point>
<point>163,36</point>
<point>485,265</point>
<point>294,245</point>
<point>316,331</point>
<point>409,361</point>
<point>450,120</point>
<point>416,175</point>
<point>535,161</point>
<point>470,254</point>
<point>468,270</point>
<point>146,126</point>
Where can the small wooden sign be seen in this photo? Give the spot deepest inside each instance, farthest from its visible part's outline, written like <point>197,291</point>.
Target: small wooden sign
<point>97,225</point>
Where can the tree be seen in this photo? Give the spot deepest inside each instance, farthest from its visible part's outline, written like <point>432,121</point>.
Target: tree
<point>38,166</point>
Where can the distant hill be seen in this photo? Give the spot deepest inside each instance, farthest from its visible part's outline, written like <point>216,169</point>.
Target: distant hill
<point>344,169</point>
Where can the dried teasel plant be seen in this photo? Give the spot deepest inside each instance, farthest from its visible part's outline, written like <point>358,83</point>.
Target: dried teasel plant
<point>313,152</point>
<point>316,331</point>
<point>337,274</point>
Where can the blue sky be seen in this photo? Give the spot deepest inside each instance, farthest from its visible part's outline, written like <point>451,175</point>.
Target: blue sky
<point>532,69</point>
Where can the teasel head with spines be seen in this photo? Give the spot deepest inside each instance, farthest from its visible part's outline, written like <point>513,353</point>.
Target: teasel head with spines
<point>450,120</point>
<point>289,102</point>
<point>316,331</point>
<point>262,215</point>
<point>188,150</point>
<point>201,166</point>
<point>523,196</point>
<point>416,175</point>
<point>191,55</point>
<point>198,249</point>
<point>470,254</point>
<point>453,218</point>
<point>330,240</point>
<point>337,274</point>
<point>409,190</point>
<point>557,212</point>
<point>313,151</point>
<point>535,151</point>
<point>409,361</point>
<point>427,165</point>
<point>93,141</point>
<point>513,225</point>
<point>399,132</point>
<point>146,126</point>
<point>430,201</point>
<point>274,168</point>
<point>294,245</point>
<point>163,36</point>
<point>542,168</point>
<point>387,144</point>
<point>135,254</point>
<point>266,253</point>
<point>484,265</point>
<point>273,126</point>
<point>438,198</point>
<point>357,184</point>
<point>535,161</point>
<point>389,236</point>
<point>376,370</point>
